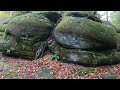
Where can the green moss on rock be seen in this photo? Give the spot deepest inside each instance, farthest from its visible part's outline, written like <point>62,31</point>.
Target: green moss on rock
<point>74,32</point>
<point>3,27</point>
<point>18,13</point>
<point>86,58</point>
<point>23,49</point>
<point>1,33</point>
<point>30,25</point>
<point>25,34</point>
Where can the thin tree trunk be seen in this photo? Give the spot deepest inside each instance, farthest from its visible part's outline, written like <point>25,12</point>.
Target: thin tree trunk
<point>107,16</point>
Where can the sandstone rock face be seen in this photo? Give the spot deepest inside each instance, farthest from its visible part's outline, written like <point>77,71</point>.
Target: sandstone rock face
<point>81,33</point>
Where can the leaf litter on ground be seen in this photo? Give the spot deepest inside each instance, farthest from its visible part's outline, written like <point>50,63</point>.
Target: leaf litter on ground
<point>45,68</point>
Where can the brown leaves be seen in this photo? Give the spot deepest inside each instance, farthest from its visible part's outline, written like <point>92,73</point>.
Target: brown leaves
<point>22,69</point>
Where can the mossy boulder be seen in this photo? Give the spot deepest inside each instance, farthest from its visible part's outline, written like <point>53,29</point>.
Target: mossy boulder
<point>51,15</point>
<point>86,58</point>
<point>1,33</point>
<point>30,25</point>
<point>17,13</point>
<point>111,25</point>
<point>25,34</point>
<point>82,33</point>
<point>24,49</point>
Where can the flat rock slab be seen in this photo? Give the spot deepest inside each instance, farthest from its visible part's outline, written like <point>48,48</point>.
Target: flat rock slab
<point>45,74</point>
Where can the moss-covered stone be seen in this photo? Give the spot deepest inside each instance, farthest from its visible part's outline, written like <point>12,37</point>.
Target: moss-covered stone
<point>3,27</point>
<point>10,46</point>
<point>51,15</point>
<point>25,34</point>
<point>1,33</point>
<point>18,13</point>
<point>86,58</point>
<point>30,25</point>
<point>81,33</point>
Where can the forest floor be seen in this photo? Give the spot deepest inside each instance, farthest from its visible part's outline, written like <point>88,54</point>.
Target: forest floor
<point>46,68</point>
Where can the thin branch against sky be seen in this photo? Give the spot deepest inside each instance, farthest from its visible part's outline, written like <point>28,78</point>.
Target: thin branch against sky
<point>105,16</point>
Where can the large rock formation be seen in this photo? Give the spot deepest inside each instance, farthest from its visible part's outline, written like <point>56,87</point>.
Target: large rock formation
<point>82,33</point>
<point>80,38</point>
<point>25,34</point>
<point>86,42</point>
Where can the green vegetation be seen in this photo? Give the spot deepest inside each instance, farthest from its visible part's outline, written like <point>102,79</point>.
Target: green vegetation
<point>30,29</point>
<point>56,56</point>
<point>25,34</point>
<point>116,20</point>
<point>18,13</point>
<point>96,30</point>
<point>3,27</point>
<point>84,71</point>
<point>32,24</point>
<point>1,33</point>
<point>4,15</point>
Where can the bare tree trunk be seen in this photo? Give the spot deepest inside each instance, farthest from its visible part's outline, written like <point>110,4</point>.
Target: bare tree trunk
<point>107,16</point>
<point>95,12</point>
